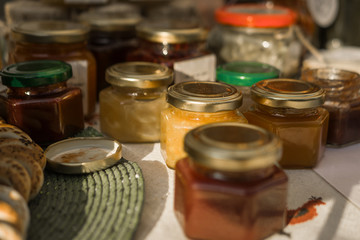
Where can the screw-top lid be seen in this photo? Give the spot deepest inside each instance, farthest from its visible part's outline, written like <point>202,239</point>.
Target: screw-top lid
<point>139,74</point>
<point>245,73</point>
<point>35,73</point>
<point>232,147</point>
<point>287,93</point>
<point>50,32</point>
<point>171,31</point>
<point>204,96</point>
<point>255,15</point>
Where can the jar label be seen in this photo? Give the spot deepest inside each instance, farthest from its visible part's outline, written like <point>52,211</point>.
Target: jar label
<point>196,69</point>
<point>324,12</point>
<point>80,80</point>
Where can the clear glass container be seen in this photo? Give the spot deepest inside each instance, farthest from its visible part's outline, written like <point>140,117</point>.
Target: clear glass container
<point>229,187</point>
<point>292,110</point>
<point>256,32</point>
<point>243,75</point>
<point>192,104</point>
<point>39,102</point>
<point>58,40</point>
<point>130,108</point>
<point>342,100</point>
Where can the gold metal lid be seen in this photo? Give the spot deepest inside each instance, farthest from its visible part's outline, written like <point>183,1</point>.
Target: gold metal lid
<point>83,155</point>
<point>50,31</point>
<point>204,96</point>
<point>170,31</point>
<point>232,147</point>
<point>139,74</point>
<point>287,93</point>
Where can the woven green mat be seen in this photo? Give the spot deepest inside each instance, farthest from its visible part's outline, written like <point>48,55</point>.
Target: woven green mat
<point>102,205</point>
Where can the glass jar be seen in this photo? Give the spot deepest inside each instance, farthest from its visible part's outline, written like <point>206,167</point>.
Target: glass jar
<point>342,100</point>
<point>58,40</point>
<point>229,187</point>
<point>130,108</point>
<point>39,102</point>
<point>243,75</point>
<point>256,32</point>
<point>292,110</point>
<point>192,104</point>
<point>112,36</point>
<point>178,44</point>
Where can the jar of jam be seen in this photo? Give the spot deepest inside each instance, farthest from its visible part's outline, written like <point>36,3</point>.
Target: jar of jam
<point>342,100</point>
<point>257,32</point>
<point>192,104</point>
<point>243,75</point>
<point>228,186</point>
<point>130,108</point>
<point>178,44</point>
<point>58,40</point>
<point>112,36</point>
<point>292,110</point>
<point>39,101</point>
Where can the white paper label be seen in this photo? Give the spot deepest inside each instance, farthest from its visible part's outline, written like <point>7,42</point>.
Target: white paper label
<point>324,12</point>
<point>198,69</point>
<point>80,80</point>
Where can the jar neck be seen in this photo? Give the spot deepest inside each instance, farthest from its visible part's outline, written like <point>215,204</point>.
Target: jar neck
<point>28,92</point>
<point>287,112</point>
<point>140,93</point>
<point>192,114</point>
<point>246,176</point>
<point>52,47</point>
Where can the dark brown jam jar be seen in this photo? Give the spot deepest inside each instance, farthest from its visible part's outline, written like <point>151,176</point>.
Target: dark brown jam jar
<point>39,102</point>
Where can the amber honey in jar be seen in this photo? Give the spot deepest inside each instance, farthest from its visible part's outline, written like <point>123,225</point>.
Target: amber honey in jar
<point>58,40</point>
<point>192,104</point>
<point>130,108</point>
<point>178,44</point>
<point>228,186</point>
<point>342,100</point>
<point>292,110</point>
<point>39,101</point>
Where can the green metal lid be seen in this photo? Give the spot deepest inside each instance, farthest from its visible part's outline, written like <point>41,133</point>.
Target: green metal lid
<point>35,73</point>
<point>245,73</point>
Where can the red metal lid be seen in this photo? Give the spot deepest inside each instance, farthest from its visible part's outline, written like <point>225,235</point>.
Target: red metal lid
<point>255,15</point>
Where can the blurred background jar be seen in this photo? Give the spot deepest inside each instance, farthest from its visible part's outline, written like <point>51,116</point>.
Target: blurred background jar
<point>130,108</point>
<point>178,44</point>
<point>112,35</point>
<point>257,32</point>
<point>39,101</point>
<point>58,40</point>
<point>342,100</point>
<point>243,75</point>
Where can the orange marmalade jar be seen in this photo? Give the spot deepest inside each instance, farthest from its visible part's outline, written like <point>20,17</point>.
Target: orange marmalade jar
<point>192,104</point>
<point>58,40</point>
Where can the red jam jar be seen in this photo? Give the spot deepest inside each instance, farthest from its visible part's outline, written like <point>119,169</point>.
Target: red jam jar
<point>229,187</point>
<point>39,102</point>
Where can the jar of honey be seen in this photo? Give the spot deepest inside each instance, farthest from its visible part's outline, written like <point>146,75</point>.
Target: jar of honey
<point>292,110</point>
<point>192,104</point>
<point>178,44</point>
<point>243,75</point>
<point>130,108</point>
<point>228,186</point>
<point>58,40</point>
<point>342,100</point>
<point>39,101</point>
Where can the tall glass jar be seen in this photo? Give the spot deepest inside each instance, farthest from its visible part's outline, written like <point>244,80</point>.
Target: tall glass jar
<point>58,40</point>
<point>178,44</point>
<point>243,75</point>
<point>39,101</point>
<point>130,108</point>
<point>256,32</point>
<point>112,36</point>
<point>192,104</point>
<point>342,100</point>
<point>292,110</point>
<point>229,187</point>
